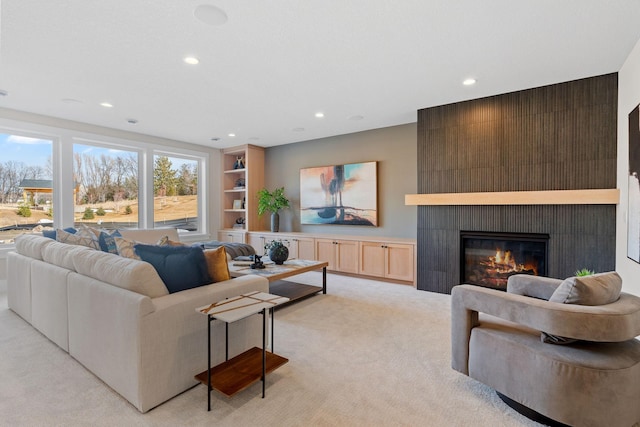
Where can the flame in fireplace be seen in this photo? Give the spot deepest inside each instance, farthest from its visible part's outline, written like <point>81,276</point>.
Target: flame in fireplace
<point>503,262</point>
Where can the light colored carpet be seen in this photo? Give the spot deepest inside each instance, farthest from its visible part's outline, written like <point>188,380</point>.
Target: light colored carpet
<point>368,353</point>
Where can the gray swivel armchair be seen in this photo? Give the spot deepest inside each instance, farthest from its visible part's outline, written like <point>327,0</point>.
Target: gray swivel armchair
<point>592,379</point>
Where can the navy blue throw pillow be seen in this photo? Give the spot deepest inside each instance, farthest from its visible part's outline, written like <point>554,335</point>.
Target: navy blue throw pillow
<point>179,267</point>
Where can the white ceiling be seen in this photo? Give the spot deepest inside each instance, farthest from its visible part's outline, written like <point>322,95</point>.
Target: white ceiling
<point>274,64</point>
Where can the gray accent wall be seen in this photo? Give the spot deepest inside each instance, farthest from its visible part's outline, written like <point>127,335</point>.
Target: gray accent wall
<point>557,137</point>
<point>394,148</point>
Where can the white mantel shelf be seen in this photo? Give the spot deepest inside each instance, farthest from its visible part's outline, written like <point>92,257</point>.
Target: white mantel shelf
<point>554,197</point>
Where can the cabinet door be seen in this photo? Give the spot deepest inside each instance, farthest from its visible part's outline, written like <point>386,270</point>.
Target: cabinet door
<point>326,251</point>
<point>257,241</point>
<point>399,262</point>
<point>372,259</point>
<point>347,256</point>
<point>231,236</point>
<point>305,248</point>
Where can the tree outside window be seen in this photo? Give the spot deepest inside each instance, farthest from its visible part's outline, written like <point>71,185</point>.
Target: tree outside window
<point>26,188</point>
<point>175,188</point>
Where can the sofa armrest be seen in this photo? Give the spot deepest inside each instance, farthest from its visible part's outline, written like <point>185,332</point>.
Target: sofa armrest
<point>615,322</point>
<point>104,331</point>
<point>532,286</point>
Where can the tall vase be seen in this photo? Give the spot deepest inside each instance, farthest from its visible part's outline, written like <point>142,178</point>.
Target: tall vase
<point>275,222</point>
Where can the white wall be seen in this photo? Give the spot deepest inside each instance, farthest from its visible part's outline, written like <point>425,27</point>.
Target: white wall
<point>628,99</point>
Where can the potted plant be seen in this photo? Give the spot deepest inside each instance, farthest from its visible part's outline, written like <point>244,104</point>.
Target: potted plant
<point>272,202</point>
<point>277,250</point>
<point>584,272</point>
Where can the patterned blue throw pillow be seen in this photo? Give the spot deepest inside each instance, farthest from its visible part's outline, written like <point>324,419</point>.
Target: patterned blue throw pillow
<point>107,242</point>
<point>52,233</point>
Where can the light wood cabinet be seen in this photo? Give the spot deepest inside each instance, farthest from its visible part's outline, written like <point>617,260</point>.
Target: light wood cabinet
<point>240,184</point>
<point>388,260</point>
<point>342,255</point>
<point>299,247</point>
<point>392,259</point>
<point>302,248</point>
<point>231,236</point>
<point>259,240</point>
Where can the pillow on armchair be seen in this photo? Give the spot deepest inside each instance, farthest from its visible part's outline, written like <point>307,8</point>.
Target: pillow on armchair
<point>596,289</point>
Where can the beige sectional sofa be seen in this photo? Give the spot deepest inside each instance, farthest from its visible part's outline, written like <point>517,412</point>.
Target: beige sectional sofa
<point>115,316</point>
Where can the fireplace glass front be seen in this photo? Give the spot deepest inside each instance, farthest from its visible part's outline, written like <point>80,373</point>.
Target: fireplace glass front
<point>488,259</point>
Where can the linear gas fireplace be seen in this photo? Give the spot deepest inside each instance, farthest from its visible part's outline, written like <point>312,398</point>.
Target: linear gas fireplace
<point>488,259</point>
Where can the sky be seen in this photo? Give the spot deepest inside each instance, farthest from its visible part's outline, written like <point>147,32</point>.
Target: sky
<point>30,151</point>
<point>35,152</point>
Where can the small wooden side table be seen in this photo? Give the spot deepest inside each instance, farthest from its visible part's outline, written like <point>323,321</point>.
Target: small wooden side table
<point>238,373</point>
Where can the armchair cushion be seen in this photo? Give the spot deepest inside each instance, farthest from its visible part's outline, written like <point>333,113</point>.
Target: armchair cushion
<point>597,289</point>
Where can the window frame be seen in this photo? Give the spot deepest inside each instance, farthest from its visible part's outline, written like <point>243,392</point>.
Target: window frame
<point>63,140</point>
<point>202,184</point>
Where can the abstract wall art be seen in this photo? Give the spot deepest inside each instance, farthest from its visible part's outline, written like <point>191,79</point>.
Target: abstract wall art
<point>339,194</point>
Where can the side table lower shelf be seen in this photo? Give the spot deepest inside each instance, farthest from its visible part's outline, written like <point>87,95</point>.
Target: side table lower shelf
<point>240,372</point>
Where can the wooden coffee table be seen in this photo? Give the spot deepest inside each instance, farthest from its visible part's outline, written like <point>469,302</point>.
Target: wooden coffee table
<point>275,273</point>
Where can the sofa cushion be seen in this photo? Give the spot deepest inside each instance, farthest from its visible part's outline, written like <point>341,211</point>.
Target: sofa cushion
<point>179,267</point>
<point>596,289</point>
<point>217,265</point>
<point>62,254</point>
<point>126,273</point>
<point>76,239</point>
<point>31,245</point>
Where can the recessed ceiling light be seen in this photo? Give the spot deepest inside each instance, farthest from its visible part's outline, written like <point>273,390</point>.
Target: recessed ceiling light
<point>210,14</point>
<point>298,129</point>
<point>232,135</point>
<point>469,82</point>
<point>106,104</point>
<point>356,117</point>
<point>191,60</point>
<point>319,115</point>
<point>71,101</point>
<point>3,92</point>
<point>132,121</point>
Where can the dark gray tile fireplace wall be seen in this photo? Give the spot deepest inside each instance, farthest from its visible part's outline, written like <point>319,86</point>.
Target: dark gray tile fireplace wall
<point>557,137</point>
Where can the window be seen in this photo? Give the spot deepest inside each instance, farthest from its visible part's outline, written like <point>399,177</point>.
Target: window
<point>175,192</point>
<point>26,186</point>
<point>77,175</point>
<point>105,186</point>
